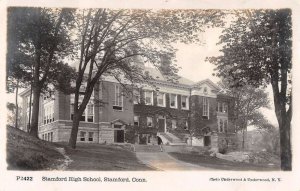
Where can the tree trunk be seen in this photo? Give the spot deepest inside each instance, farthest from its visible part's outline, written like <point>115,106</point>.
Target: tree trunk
<point>74,131</point>
<point>35,111</point>
<point>17,106</point>
<point>243,143</point>
<point>30,103</point>
<point>285,144</point>
<point>284,121</point>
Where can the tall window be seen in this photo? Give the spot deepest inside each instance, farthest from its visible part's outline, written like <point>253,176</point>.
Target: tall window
<point>118,102</point>
<point>82,118</point>
<point>149,121</point>
<point>173,101</point>
<point>148,98</point>
<point>225,108</point>
<point>136,120</point>
<point>223,125</point>
<point>90,113</point>
<point>48,112</point>
<point>220,107</point>
<point>161,99</point>
<point>205,114</point>
<point>72,110</point>
<point>184,102</point>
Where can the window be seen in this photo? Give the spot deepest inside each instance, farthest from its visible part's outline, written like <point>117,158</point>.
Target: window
<point>48,112</point>
<point>220,125</point>
<point>46,137</point>
<point>161,99</point>
<point>44,111</point>
<point>205,90</point>
<point>225,107</point>
<point>173,101</point>
<point>90,113</point>
<point>184,102</point>
<point>118,102</point>
<point>149,121</point>
<point>136,97</point>
<point>174,124</point>
<point>72,110</point>
<point>51,135</point>
<point>205,114</point>
<point>136,120</point>
<point>225,124</point>
<point>91,135</point>
<point>82,136</point>
<point>148,98</point>
<point>82,118</point>
<point>220,107</point>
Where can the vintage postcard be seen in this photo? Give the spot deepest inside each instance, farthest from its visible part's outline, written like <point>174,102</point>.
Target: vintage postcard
<point>139,95</point>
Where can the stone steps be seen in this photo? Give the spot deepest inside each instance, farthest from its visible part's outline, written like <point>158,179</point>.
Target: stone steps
<point>171,139</point>
<point>147,148</point>
<point>174,138</point>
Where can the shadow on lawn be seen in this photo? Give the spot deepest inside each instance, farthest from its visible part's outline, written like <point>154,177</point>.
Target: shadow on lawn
<point>92,157</point>
<point>216,163</point>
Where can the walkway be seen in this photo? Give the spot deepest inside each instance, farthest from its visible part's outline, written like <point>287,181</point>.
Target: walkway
<point>163,161</point>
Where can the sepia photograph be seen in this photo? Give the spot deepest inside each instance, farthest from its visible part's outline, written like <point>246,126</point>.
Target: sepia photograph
<point>92,92</point>
<point>109,89</point>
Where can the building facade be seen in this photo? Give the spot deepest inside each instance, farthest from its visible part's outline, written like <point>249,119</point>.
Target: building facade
<point>163,113</point>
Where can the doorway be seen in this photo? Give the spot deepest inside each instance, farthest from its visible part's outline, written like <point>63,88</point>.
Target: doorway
<point>161,124</point>
<point>207,141</point>
<point>119,136</point>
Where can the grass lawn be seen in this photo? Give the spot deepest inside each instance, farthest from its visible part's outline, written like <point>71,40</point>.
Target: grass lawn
<point>216,163</point>
<point>25,152</point>
<point>102,157</point>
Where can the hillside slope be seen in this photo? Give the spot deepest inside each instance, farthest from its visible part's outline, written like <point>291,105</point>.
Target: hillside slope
<point>25,152</point>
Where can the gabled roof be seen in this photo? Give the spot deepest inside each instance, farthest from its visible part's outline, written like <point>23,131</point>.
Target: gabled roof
<point>118,121</point>
<point>207,81</point>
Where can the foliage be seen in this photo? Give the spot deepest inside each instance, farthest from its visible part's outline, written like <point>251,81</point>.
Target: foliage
<point>39,41</point>
<point>257,50</point>
<point>11,114</point>
<point>110,42</point>
<point>248,101</point>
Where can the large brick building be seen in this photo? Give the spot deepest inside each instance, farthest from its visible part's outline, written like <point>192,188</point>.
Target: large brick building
<point>163,113</point>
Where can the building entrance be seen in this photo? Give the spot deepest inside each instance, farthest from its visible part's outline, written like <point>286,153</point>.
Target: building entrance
<point>161,125</point>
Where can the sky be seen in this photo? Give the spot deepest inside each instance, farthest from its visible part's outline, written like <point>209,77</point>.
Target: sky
<point>191,59</point>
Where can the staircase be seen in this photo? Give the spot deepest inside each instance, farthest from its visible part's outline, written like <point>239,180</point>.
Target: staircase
<point>147,148</point>
<point>171,139</point>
